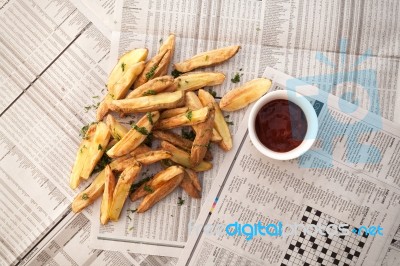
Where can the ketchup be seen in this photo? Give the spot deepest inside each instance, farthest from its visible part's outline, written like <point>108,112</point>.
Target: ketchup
<point>281,125</point>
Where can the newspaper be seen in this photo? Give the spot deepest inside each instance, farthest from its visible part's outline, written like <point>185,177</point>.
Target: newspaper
<point>314,189</point>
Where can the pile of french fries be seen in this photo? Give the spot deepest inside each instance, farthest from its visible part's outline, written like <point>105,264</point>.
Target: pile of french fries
<point>164,104</point>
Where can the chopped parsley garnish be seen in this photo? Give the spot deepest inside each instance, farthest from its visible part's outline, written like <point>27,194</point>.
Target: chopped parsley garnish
<point>149,140</point>
<point>150,74</point>
<point>187,82</point>
<point>227,116</point>
<point>141,130</point>
<point>189,115</point>
<point>84,130</point>
<point>161,41</point>
<point>147,188</point>
<point>149,117</point>
<point>149,92</point>
<point>190,135</point>
<point>85,196</point>
<point>230,123</point>
<point>104,160</point>
<point>135,186</point>
<point>213,93</point>
<point>236,78</point>
<point>180,201</point>
<point>131,211</point>
<point>175,73</point>
<point>100,148</point>
<point>167,162</point>
<point>123,66</point>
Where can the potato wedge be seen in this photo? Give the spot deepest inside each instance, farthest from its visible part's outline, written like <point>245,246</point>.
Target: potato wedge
<point>159,194</point>
<point>106,201</point>
<point>186,119</point>
<point>244,95</point>
<point>117,130</point>
<point>193,178</point>
<point>173,112</point>
<point>219,122</point>
<point>121,190</point>
<point>149,103</point>
<point>194,103</point>
<point>165,175</point>
<point>140,149</point>
<point>208,58</point>
<point>152,156</point>
<point>135,136</point>
<point>81,156</point>
<point>196,80</point>
<point>96,149</point>
<point>203,136</point>
<point>183,158</point>
<point>151,87</point>
<point>124,62</point>
<point>188,187</point>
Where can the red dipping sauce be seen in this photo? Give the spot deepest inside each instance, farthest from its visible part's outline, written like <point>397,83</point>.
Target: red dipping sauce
<point>281,125</point>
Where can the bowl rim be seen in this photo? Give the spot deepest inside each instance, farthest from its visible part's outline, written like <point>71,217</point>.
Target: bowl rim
<point>309,112</point>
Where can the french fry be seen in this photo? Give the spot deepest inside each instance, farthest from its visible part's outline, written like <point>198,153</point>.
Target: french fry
<point>96,149</point>
<point>121,190</point>
<point>242,96</point>
<point>142,148</point>
<point>117,130</point>
<point>149,103</point>
<point>135,136</point>
<point>173,112</point>
<point>189,188</point>
<point>207,59</point>
<point>152,157</point>
<point>159,193</point>
<point>109,186</point>
<point>183,158</point>
<point>141,191</point>
<point>219,122</point>
<point>151,87</point>
<point>193,178</point>
<point>194,103</point>
<point>186,119</point>
<point>158,65</point>
<point>203,136</point>
<point>125,61</point>
<point>81,156</point>
<point>196,80</point>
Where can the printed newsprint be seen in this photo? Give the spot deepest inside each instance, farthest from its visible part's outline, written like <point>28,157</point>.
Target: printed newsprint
<point>356,187</point>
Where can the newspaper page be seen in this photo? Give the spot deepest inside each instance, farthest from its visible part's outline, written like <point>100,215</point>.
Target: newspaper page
<point>299,201</point>
<point>53,66</point>
<point>163,230</point>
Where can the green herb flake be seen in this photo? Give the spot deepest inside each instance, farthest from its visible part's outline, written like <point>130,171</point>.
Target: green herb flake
<point>141,130</point>
<point>258,29</point>
<point>87,108</point>
<point>95,97</point>
<point>150,117</point>
<point>123,67</point>
<point>85,196</point>
<point>236,78</point>
<point>148,189</point>
<point>190,135</point>
<point>100,148</point>
<point>135,186</point>
<point>213,93</point>
<point>149,92</point>
<point>150,74</point>
<point>167,162</point>
<point>189,115</point>
<point>175,73</point>
<point>131,228</point>
<point>149,140</point>
<point>102,163</point>
<point>161,41</point>
<point>180,201</point>
<point>131,211</point>
<point>187,82</point>
<point>230,123</point>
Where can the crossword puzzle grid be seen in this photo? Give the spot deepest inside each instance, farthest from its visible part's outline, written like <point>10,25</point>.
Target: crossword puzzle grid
<point>326,250</point>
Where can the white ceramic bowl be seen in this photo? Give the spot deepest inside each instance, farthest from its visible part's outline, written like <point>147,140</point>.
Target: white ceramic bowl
<point>311,117</point>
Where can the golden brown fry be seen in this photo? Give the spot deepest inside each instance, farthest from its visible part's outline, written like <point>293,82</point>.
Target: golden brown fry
<point>117,130</point>
<point>109,186</point>
<point>152,156</point>
<point>194,103</point>
<point>193,178</point>
<point>125,61</point>
<point>90,194</point>
<point>141,191</point>
<point>169,46</point>
<point>186,119</point>
<point>121,190</point>
<point>173,139</point>
<point>219,121</point>
<point>242,96</point>
<point>173,112</point>
<point>196,80</point>
<point>149,103</point>
<point>151,87</point>
<point>203,136</point>
<point>163,176</point>
<point>159,194</point>
<point>183,158</point>
<point>142,148</point>
<point>125,162</point>
<point>135,136</point>
<point>208,58</point>
<point>96,149</point>
<point>189,188</point>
